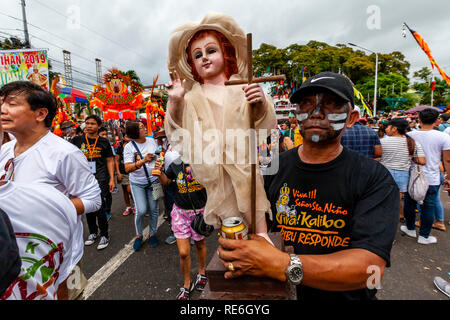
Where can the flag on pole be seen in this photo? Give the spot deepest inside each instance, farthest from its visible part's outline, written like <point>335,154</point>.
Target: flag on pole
<point>360,97</point>
<point>427,50</point>
<point>433,84</point>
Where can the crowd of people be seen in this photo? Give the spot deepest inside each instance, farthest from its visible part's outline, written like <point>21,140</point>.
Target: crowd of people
<point>84,166</point>
<point>395,139</point>
<point>334,184</point>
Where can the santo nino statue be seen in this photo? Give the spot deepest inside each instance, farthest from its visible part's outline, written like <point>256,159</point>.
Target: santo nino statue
<point>203,113</point>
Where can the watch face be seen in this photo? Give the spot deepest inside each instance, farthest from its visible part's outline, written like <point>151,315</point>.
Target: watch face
<point>296,274</point>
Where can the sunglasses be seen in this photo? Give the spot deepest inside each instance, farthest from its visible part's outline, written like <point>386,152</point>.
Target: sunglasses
<point>9,171</point>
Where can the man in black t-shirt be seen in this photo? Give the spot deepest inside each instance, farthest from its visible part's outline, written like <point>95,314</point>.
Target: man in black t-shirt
<point>338,209</point>
<point>101,161</point>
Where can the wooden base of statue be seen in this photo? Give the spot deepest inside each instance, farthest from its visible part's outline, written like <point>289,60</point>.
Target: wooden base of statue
<point>246,287</point>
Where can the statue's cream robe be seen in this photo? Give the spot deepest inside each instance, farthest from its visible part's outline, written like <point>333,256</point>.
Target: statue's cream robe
<point>212,116</point>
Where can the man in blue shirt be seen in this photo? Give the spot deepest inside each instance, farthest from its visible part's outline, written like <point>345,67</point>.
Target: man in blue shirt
<point>362,139</point>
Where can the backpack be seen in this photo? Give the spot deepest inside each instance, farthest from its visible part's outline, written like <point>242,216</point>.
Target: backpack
<point>418,184</point>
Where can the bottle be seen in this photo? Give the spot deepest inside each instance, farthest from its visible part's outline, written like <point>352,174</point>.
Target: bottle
<point>161,162</point>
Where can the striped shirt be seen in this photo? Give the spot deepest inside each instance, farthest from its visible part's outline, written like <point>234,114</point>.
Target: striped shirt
<point>396,155</point>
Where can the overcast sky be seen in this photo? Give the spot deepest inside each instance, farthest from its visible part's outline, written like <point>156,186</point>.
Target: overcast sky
<point>134,34</point>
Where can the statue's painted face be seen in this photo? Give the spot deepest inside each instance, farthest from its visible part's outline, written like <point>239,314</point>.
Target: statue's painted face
<point>322,116</point>
<point>208,58</point>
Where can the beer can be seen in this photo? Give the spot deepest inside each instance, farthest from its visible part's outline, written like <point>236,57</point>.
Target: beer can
<point>234,228</point>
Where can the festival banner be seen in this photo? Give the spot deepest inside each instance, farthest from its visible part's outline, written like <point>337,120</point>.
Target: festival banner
<point>24,65</point>
<point>427,50</point>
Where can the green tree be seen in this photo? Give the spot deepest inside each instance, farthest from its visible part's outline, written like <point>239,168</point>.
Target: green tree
<point>441,94</point>
<point>133,75</point>
<point>390,85</point>
<point>315,57</point>
<point>12,43</point>
<point>392,63</point>
<point>423,74</point>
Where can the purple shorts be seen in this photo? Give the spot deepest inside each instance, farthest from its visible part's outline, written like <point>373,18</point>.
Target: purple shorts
<point>181,223</point>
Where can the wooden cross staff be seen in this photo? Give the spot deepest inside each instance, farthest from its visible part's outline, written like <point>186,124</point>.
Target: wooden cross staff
<point>250,80</point>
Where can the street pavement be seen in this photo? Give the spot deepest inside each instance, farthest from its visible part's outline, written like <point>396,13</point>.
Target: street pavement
<point>119,273</point>
<point>414,266</point>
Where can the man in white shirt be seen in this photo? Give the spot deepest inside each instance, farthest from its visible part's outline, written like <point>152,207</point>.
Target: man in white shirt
<point>436,145</point>
<point>44,223</point>
<point>39,156</point>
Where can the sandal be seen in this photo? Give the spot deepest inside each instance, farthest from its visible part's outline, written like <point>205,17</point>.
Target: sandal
<point>439,226</point>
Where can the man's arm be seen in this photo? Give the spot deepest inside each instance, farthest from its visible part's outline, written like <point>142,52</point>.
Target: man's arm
<point>110,165</point>
<point>340,271</point>
<point>446,163</point>
<point>79,183</point>
<point>377,151</point>
<point>79,206</point>
<point>116,166</point>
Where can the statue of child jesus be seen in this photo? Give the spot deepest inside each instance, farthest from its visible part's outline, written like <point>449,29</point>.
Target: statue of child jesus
<point>204,113</point>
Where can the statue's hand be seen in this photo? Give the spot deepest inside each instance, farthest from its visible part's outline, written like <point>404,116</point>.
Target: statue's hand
<point>175,88</point>
<point>256,98</point>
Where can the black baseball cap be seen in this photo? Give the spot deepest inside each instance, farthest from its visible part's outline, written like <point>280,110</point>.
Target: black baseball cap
<point>334,82</point>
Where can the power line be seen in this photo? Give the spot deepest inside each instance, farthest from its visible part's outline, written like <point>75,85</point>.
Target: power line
<point>75,54</point>
<point>94,31</point>
<point>88,82</point>
<point>84,58</point>
<point>90,75</point>
<point>73,43</point>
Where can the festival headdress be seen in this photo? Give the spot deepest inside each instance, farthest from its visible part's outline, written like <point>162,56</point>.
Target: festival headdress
<point>222,23</point>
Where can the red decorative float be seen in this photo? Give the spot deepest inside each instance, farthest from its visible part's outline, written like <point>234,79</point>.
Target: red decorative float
<point>120,97</point>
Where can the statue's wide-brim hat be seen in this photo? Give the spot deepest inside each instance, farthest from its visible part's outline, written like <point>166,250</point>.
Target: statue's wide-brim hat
<point>220,22</point>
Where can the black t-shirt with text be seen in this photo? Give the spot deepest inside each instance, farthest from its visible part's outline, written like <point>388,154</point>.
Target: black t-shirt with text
<point>197,193</point>
<point>95,152</point>
<point>350,202</point>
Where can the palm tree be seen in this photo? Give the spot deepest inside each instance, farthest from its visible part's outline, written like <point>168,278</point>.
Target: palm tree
<point>133,75</point>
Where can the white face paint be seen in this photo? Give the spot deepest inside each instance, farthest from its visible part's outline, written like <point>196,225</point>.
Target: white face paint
<point>337,116</point>
<point>337,126</point>
<point>337,121</point>
<point>333,117</point>
<point>315,138</point>
<point>302,116</point>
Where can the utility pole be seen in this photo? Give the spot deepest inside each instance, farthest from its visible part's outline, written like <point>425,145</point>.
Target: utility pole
<point>25,25</point>
<point>68,68</point>
<point>98,69</point>
<point>432,90</point>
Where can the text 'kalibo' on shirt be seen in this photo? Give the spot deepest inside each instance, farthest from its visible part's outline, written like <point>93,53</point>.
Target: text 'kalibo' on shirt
<point>350,202</point>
